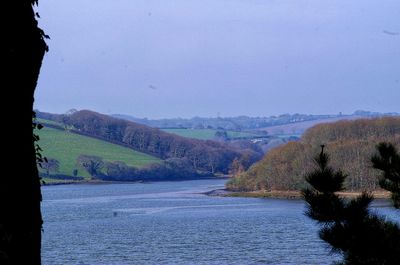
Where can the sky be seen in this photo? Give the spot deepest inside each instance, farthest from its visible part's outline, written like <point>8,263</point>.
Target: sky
<point>208,58</point>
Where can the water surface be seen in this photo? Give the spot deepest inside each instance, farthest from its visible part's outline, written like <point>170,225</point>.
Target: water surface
<point>173,223</point>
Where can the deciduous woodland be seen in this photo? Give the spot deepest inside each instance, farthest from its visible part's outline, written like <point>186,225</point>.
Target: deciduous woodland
<point>349,143</point>
<point>178,152</point>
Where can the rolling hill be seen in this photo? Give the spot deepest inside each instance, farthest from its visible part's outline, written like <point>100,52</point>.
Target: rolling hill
<point>201,155</point>
<point>245,123</point>
<point>298,128</point>
<point>66,146</point>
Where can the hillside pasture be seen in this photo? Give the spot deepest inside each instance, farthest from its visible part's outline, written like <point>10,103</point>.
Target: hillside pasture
<point>66,146</point>
<point>207,134</point>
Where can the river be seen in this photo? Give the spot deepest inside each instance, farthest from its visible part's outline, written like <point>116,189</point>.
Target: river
<point>174,223</point>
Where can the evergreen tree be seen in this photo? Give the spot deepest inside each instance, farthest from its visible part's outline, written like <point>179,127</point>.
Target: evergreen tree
<point>361,236</point>
<point>388,160</point>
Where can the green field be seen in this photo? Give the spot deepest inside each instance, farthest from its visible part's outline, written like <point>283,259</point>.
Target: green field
<point>233,134</point>
<point>206,134</point>
<point>66,147</point>
<point>42,121</point>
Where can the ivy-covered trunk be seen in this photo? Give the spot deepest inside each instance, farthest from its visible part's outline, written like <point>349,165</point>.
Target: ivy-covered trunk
<point>23,48</point>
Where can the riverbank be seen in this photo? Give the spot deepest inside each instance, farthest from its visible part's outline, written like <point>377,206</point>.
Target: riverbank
<point>52,182</point>
<point>278,194</point>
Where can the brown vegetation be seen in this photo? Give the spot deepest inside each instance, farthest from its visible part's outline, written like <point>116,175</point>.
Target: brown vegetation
<point>349,143</point>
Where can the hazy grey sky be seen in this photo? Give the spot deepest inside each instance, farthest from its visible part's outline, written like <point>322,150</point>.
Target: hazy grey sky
<point>181,58</point>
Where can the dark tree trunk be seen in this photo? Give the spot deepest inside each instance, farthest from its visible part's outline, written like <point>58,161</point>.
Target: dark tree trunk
<point>22,51</point>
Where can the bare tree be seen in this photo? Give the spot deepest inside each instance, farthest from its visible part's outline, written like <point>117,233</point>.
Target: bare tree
<point>92,164</point>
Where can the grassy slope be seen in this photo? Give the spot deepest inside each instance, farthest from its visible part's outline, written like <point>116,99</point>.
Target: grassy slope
<point>43,121</point>
<point>205,134</point>
<point>66,147</point>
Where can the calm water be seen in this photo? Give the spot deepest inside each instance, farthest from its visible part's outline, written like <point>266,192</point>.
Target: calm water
<point>172,223</point>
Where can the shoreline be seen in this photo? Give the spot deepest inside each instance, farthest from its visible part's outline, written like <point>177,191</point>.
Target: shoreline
<point>72,182</point>
<point>278,194</point>
<point>98,181</point>
<point>272,194</point>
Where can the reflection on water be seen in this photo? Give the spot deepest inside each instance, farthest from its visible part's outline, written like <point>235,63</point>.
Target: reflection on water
<point>173,223</point>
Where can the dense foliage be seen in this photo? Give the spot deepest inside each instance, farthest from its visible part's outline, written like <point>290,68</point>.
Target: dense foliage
<point>388,161</point>
<point>362,237</point>
<point>351,144</point>
<point>208,156</point>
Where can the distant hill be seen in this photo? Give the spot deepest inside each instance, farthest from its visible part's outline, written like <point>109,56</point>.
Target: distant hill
<point>66,146</point>
<point>298,128</point>
<point>264,132</point>
<point>206,156</point>
<point>248,123</point>
<point>350,145</point>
